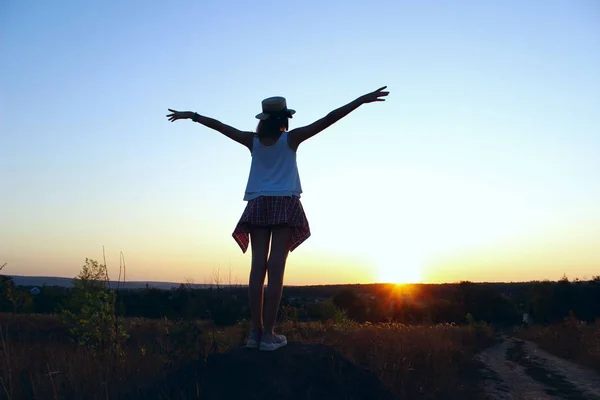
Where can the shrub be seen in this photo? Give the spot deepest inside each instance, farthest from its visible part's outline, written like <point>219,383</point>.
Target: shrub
<point>92,310</point>
<point>327,311</point>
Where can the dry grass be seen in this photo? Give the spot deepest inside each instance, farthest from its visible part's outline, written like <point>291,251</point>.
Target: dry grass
<point>415,361</point>
<point>37,360</point>
<point>572,339</point>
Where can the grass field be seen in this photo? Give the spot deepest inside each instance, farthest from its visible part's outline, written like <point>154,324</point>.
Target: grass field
<point>39,360</point>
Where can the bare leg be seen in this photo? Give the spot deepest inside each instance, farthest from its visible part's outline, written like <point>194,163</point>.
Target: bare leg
<point>276,268</point>
<point>259,239</point>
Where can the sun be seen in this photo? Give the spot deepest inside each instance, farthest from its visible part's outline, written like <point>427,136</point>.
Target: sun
<point>399,272</point>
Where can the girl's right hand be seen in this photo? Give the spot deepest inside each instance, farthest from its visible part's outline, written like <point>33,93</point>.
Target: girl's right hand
<point>175,115</point>
<point>375,96</point>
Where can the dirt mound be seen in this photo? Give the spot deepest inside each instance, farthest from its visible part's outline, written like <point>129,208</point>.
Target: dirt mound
<point>297,371</point>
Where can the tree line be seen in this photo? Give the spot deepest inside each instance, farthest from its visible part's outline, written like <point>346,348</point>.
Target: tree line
<point>504,303</point>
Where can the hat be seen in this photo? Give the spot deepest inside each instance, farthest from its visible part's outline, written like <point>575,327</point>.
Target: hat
<point>275,106</point>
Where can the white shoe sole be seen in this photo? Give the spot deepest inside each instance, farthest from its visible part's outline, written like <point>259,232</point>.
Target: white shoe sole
<point>272,346</point>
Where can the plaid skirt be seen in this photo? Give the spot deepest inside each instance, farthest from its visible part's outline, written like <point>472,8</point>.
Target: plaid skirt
<point>271,211</point>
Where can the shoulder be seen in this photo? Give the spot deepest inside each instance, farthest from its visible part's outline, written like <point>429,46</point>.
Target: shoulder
<point>249,139</point>
<point>291,140</point>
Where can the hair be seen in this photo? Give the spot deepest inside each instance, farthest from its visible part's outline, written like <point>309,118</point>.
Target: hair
<point>272,127</point>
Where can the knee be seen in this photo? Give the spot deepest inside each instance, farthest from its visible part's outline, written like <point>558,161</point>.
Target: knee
<point>275,270</point>
<point>259,266</point>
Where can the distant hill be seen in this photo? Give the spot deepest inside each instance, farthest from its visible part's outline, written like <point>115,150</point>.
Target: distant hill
<point>68,282</point>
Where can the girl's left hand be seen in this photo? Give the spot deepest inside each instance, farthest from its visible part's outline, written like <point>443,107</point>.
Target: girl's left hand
<point>175,115</point>
<point>375,96</point>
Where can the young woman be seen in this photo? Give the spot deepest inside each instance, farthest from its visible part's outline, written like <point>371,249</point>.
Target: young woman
<point>273,218</point>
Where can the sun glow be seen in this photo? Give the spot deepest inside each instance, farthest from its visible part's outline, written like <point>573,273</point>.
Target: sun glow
<point>429,215</point>
<point>396,271</point>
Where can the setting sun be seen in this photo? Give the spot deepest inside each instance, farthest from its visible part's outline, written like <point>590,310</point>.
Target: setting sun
<point>395,271</point>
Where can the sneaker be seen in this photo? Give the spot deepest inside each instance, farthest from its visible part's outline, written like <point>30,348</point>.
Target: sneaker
<point>271,342</point>
<point>253,340</point>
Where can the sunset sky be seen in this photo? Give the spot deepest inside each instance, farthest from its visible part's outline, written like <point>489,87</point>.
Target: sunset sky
<point>483,164</point>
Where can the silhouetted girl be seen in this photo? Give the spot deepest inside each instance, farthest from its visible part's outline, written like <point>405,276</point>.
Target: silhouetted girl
<point>274,217</point>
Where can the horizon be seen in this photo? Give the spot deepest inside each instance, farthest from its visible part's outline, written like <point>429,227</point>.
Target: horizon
<point>570,279</point>
<point>481,165</point>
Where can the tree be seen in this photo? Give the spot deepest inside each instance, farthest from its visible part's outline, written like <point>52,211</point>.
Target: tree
<point>351,304</point>
<point>92,309</point>
<point>6,287</point>
<point>11,298</point>
<point>325,311</point>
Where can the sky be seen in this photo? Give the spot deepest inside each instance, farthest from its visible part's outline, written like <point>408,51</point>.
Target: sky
<point>482,164</point>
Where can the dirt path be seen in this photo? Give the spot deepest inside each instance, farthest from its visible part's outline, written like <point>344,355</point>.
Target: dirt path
<point>517,369</point>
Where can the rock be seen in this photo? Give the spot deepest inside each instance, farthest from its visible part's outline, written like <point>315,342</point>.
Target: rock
<point>296,371</point>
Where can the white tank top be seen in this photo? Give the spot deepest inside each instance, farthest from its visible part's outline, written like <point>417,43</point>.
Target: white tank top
<point>273,171</point>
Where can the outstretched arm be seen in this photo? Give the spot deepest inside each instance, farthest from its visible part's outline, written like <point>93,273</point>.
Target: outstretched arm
<point>299,135</point>
<point>242,137</point>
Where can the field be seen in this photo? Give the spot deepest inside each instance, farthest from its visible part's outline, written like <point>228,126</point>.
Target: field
<point>366,341</point>
<point>39,360</point>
